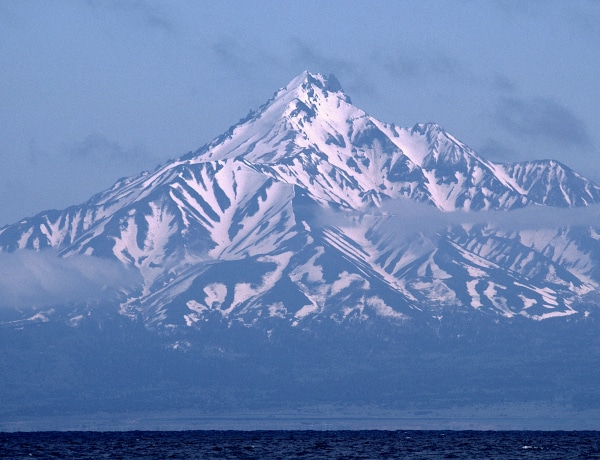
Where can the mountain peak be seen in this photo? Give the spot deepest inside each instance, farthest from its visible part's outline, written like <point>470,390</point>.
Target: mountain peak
<point>279,127</point>
<point>307,83</point>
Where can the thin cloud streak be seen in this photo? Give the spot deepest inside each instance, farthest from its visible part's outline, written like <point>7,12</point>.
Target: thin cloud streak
<point>415,217</point>
<point>543,119</point>
<point>96,148</point>
<point>151,14</point>
<point>405,219</point>
<point>351,72</point>
<point>420,66</point>
<point>494,150</point>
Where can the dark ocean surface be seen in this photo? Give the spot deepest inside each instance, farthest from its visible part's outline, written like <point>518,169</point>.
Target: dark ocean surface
<point>302,445</point>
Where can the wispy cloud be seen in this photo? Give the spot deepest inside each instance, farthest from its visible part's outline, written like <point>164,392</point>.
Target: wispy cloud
<point>296,55</point>
<point>502,83</point>
<point>243,60</point>
<point>351,72</point>
<point>418,66</point>
<point>37,279</point>
<point>150,13</point>
<point>238,58</point>
<point>97,148</point>
<point>495,150</point>
<point>542,119</point>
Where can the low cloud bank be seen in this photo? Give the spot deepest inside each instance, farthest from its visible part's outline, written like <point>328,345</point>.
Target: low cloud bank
<point>421,217</point>
<point>406,218</point>
<point>37,279</point>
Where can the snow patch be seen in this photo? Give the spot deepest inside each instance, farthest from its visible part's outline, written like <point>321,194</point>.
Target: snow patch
<point>475,297</point>
<point>345,280</point>
<point>246,291</point>
<point>75,320</point>
<point>277,310</point>
<point>384,310</point>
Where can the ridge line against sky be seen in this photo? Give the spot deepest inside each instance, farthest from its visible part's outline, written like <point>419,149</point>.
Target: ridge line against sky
<point>95,90</point>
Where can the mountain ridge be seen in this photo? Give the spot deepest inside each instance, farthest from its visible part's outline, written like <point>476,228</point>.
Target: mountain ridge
<point>293,199</point>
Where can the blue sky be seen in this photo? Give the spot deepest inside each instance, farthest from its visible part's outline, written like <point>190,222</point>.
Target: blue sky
<point>94,90</point>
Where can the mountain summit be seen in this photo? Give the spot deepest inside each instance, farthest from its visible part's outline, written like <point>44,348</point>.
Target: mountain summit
<point>309,209</point>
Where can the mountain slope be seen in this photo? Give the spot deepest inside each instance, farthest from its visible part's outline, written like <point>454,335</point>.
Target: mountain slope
<point>299,213</point>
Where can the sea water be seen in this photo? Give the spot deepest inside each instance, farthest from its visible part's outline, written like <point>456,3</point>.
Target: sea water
<point>302,445</point>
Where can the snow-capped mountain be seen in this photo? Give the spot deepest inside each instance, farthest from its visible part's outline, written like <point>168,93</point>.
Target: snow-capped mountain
<point>309,209</point>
